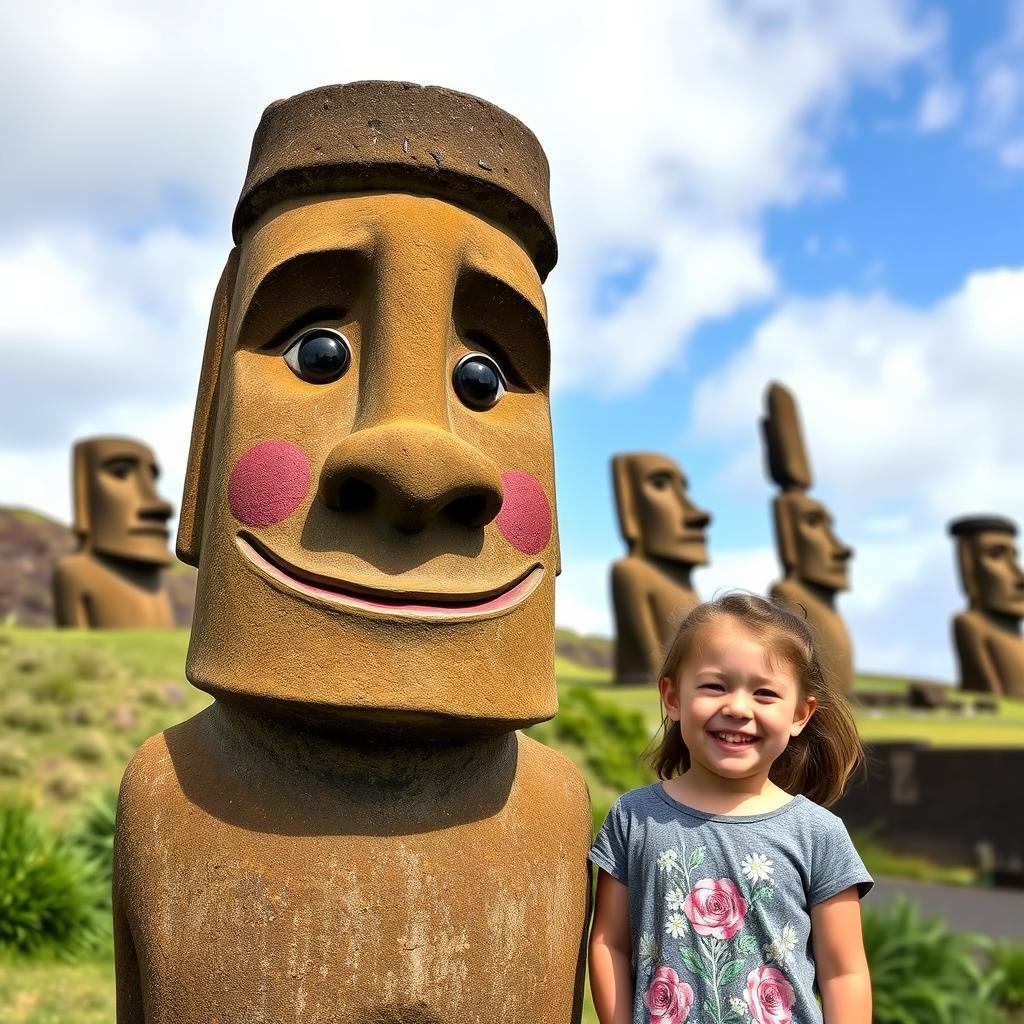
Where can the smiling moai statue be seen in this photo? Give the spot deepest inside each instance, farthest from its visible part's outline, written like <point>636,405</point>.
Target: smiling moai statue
<point>354,830</point>
<point>114,579</point>
<point>988,640</point>
<point>651,587</point>
<point>814,561</point>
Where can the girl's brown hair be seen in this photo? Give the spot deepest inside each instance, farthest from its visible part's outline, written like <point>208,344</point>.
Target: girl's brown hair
<point>818,762</point>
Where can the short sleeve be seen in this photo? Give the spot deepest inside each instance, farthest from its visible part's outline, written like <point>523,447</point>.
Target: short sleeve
<point>835,864</point>
<point>610,851</point>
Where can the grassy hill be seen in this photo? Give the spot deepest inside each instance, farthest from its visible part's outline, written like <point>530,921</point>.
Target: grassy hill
<point>74,707</point>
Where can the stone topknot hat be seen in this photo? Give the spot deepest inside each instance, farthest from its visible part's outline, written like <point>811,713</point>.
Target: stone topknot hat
<point>968,525</point>
<point>414,138</point>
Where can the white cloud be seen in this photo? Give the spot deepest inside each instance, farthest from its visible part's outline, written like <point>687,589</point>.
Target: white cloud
<point>940,106</point>
<point>911,418</point>
<point>97,337</point>
<point>681,121</point>
<point>127,129</point>
<point>895,399</point>
<point>998,102</point>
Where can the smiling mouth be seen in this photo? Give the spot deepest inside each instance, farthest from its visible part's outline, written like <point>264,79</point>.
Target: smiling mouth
<point>370,600</point>
<point>733,740</point>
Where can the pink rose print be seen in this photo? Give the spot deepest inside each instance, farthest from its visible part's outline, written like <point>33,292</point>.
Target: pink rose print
<point>715,907</point>
<point>769,996</point>
<point>667,998</point>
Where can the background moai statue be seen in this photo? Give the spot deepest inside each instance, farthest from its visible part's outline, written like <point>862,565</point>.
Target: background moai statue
<point>814,561</point>
<point>354,830</point>
<point>651,588</point>
<point>987,636</point>
<point>114,580</point>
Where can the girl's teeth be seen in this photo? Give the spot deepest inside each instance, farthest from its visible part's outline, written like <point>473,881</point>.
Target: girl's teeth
<point>731,737</point>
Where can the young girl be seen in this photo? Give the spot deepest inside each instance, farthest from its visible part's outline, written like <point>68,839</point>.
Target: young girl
<point>725,893</point>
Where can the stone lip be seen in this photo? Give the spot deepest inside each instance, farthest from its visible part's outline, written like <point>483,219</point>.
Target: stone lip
<point>398,136</point>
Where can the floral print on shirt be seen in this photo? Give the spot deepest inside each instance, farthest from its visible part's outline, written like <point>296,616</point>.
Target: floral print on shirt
<point>709,915</point>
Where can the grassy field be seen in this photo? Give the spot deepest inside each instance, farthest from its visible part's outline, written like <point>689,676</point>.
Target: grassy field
<point>74,707</point>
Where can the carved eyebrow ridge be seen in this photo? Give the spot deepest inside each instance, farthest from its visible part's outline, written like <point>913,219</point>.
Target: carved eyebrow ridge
<point>504,292</point>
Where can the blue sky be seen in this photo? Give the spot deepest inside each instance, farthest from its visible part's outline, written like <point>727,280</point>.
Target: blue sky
<point>829,193</point>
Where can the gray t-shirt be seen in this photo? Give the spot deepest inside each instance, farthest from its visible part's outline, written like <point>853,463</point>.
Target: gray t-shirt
<point>719,906</point>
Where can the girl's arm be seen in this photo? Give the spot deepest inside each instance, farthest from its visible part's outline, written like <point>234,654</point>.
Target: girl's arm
<point>611,976</point>
<point>842,967</point>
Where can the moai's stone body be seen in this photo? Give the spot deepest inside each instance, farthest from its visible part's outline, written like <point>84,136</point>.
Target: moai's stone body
<point>651,587</point>
<point>114,580</point>
<point>815,562</point>
<point>987,637</point>
<point>354,831</point>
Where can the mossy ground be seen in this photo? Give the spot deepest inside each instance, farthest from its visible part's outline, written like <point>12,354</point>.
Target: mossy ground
<point>74,707</point>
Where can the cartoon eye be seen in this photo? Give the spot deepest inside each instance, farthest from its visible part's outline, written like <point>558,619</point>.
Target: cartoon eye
<point>478,381</point>
<point>319,355</point>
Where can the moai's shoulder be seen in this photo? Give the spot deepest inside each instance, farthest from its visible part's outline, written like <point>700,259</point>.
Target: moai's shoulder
<point>547,770</point>
<point>152,779</point>
<point>147,771</point>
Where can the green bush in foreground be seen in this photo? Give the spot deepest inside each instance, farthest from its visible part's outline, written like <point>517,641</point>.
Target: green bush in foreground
<point>1006,963</point>
<point>94,839</point>
<point>49,896</point>
<point>922,973</point>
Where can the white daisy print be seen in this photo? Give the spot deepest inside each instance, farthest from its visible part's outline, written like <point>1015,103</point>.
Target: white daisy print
<point>675,925</point>
<point>738,1007</point>
<point>668,860</point>
<point>675,898</point>
<point>648,947</point>
<point>782,949</point>
<point>757,867</point>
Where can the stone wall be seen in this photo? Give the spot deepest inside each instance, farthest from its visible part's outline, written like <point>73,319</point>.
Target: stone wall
<point>952,805</point>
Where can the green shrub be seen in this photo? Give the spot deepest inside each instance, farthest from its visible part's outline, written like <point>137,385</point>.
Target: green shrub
<point>91,748</point>
<point>91,664</point>
<point>65,781</point>
<point>1006,962</point>
<point>94,838</point>
<point>922,973</point>
<point>611,738</point>
<point>23,714</point>
<point>48,894</point>
<point>14,762</point>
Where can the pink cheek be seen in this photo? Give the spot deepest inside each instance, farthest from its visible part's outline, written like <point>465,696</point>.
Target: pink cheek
<point>525,516</point>
<point>268,483</point>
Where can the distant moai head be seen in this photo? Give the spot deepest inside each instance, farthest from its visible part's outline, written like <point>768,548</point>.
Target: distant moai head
<point>656,516</point>
<point>807,545</point>
<point>989,560</point>
<point>370,490</point>
<point>118,512</point>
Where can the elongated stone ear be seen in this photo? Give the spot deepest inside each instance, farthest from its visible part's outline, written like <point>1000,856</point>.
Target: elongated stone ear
<point>785,532</point>
<point>82,524</point>
<point>197,474</point>
<point>786,453</point>
<point>625,499</point>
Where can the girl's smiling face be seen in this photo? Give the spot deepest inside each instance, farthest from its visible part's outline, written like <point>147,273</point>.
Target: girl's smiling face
<point>737,708</point>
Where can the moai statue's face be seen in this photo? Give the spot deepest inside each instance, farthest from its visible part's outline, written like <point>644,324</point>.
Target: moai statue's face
<point>377,508</point>
<point>818,555</point>
<point>997,573</point>
<point>118,510</point>
<point>670,525</point>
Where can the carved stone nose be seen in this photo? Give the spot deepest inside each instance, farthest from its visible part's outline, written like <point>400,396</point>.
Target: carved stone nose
<point>411,474</point>
<point>696,518</point>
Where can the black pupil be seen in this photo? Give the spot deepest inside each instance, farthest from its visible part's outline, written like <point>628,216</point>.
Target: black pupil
<point>478,382</point>
<point>322,356</point>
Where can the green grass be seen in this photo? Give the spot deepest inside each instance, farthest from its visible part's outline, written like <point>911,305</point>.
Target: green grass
<point>57,993</point>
